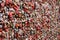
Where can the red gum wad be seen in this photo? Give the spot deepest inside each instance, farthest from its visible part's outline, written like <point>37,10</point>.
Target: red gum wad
<point>8,1</point>
<point>10,15</point>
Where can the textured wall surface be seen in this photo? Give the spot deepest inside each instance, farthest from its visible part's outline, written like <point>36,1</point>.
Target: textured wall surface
<point>29,19</point>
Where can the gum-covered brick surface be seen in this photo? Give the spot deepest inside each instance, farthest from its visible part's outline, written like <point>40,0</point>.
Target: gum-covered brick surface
<point>29,19</point>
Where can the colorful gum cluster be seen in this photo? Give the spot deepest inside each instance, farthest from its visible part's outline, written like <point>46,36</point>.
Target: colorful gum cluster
<point>29,20</point>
